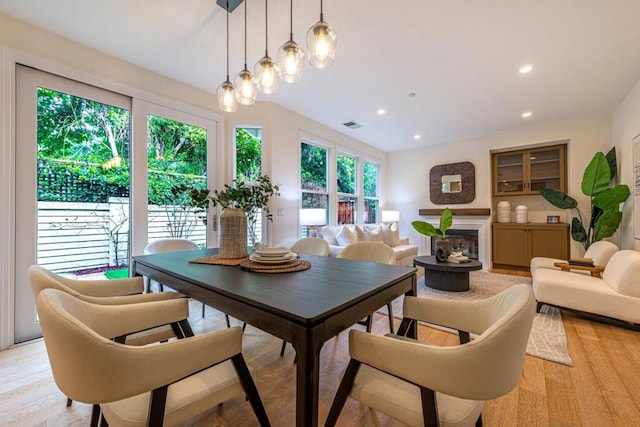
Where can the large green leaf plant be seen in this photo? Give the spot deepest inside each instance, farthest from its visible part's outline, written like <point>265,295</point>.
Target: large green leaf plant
<point>446,220</point>
<point>605,200</point>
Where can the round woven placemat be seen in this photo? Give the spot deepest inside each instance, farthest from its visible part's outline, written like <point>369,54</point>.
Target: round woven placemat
<point>217,259</point>
<point>288,267</point>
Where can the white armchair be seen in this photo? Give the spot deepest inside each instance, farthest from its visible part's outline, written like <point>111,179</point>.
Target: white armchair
<point>420,384</point>
<point>616,295</point>
<point>601,252</point>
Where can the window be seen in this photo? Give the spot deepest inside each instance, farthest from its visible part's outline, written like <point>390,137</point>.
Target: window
<point>249,167</point>
<point>314,186</point>
<point>346,188</point>
<point>177,170</point>
<point>370,192</point>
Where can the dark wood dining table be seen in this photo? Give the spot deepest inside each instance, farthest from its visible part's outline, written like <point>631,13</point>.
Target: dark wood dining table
<point>305,308</point>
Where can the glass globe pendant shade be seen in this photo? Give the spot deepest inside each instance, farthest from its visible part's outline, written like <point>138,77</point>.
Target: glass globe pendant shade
<point>226,97</point>
<point>246,91</point>
<point>291,61</point>
<point>321,45</point>
<point>266,75</point>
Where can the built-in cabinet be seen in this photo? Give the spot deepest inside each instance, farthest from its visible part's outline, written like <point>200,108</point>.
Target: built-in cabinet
<point>514,245</point>
<point>524,172</point>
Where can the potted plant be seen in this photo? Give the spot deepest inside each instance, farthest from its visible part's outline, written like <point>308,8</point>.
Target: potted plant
<point>250,198</point>
<point>446,220</point>
<point>605,200</point>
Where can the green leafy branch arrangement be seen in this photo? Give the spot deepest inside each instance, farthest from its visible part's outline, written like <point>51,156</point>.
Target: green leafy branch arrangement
<point>605,200</point>
<point>251,197</point>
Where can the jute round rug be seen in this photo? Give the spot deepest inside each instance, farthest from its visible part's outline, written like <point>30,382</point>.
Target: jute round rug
<point>547,340</point>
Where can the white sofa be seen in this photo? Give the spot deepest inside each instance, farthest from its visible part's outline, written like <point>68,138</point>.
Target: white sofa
<point>338,238</point>
<point>616,295</point>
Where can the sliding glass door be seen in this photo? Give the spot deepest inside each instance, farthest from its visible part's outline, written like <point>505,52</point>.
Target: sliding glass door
<point>98,176</point>
<point>72,183</point>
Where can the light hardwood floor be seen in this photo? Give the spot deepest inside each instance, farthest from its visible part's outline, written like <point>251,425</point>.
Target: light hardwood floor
<point>601,389</point>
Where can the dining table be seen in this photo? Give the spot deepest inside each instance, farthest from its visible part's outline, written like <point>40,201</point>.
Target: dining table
<point>305,308</point>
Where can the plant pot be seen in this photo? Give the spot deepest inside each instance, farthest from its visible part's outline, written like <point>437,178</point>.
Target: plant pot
<point>233,233</point>
<point>443,249</point>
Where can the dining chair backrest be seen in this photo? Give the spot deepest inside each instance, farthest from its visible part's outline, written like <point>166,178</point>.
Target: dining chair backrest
<point>369,251</point>
<point>41,278</point>
<point>170,245</point>
<point>311,246</point>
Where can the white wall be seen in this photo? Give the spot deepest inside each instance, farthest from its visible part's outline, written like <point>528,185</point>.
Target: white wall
<point>408,179</point>
<point>626,126</point>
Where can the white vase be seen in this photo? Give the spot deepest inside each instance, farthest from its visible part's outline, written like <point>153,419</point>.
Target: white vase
<point>233,233</point>
<point>522,214</point>
<point>504,212</point>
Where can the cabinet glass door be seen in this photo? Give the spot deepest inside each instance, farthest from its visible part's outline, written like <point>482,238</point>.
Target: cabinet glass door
<point>510,173</point>
<point>545,169</point>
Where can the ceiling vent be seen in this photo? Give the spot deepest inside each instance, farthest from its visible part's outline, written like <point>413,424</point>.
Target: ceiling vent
<point>352,125</point>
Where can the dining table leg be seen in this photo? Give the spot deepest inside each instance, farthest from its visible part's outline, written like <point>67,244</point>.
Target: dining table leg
<point>307,379</point>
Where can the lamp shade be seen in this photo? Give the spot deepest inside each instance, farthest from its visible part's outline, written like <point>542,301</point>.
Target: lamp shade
<point>390,216</point>
<point>313,216</point>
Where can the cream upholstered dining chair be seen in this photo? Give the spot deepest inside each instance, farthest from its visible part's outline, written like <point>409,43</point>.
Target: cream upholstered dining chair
<point>118,292</point>
<point>160,246</point>
<point>372,252</point>
<point>171,322</point>
<point>311,246</point>
<point>150,385</point>
<point>421,384</point>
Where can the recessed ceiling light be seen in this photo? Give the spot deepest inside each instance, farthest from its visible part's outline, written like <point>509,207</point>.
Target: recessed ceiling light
<point>527,114</point>
<point>416,136</point>
<point>526,69</point>
<point>381,111</point>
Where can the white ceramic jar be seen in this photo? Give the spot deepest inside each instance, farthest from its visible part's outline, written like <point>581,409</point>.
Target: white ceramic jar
<point>522,214</point>
<point>504,212</point>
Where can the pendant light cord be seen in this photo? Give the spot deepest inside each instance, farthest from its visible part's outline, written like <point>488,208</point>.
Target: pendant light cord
<point>266,28</point>
<point>291,21</point>
<point>321,14</point>
<point>245,34</point>
<point>227,40</point>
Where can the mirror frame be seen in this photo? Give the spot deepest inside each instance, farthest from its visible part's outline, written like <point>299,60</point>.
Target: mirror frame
<point>468,173</point>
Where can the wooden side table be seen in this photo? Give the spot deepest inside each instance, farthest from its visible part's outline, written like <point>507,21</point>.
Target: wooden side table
<point>596,270</point>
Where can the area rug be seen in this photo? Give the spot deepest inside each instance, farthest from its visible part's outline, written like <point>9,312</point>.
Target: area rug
<point>547,340</point>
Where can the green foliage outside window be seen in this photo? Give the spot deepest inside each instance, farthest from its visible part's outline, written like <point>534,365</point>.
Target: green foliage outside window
<point>83,152</point>
<point>313,167</point>
<point>346,174</point>
<point>248,156</point>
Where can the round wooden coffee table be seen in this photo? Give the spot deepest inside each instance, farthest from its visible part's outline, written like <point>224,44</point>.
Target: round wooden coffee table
<point>446,276</point>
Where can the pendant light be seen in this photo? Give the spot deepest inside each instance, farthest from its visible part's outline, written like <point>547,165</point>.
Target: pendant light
<point>266,72</point>
<point>226,94</point>
<point>321,43</point>
<point>246,90</point>
<point>291,57</point>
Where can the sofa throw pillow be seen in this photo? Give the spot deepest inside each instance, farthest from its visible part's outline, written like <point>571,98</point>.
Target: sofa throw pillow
<point>329,234</point>
<point>372,234</point>
<point>346,236</point>
<point>390,234</point>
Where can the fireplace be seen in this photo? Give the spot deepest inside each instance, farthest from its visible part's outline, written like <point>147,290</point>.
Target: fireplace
<point>480,225</point>
<point>465,241</point>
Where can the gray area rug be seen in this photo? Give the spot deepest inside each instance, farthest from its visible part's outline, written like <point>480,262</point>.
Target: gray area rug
<point>548,339</point>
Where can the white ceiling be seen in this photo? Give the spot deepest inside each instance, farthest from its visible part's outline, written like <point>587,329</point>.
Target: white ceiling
<point>460,57</point>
